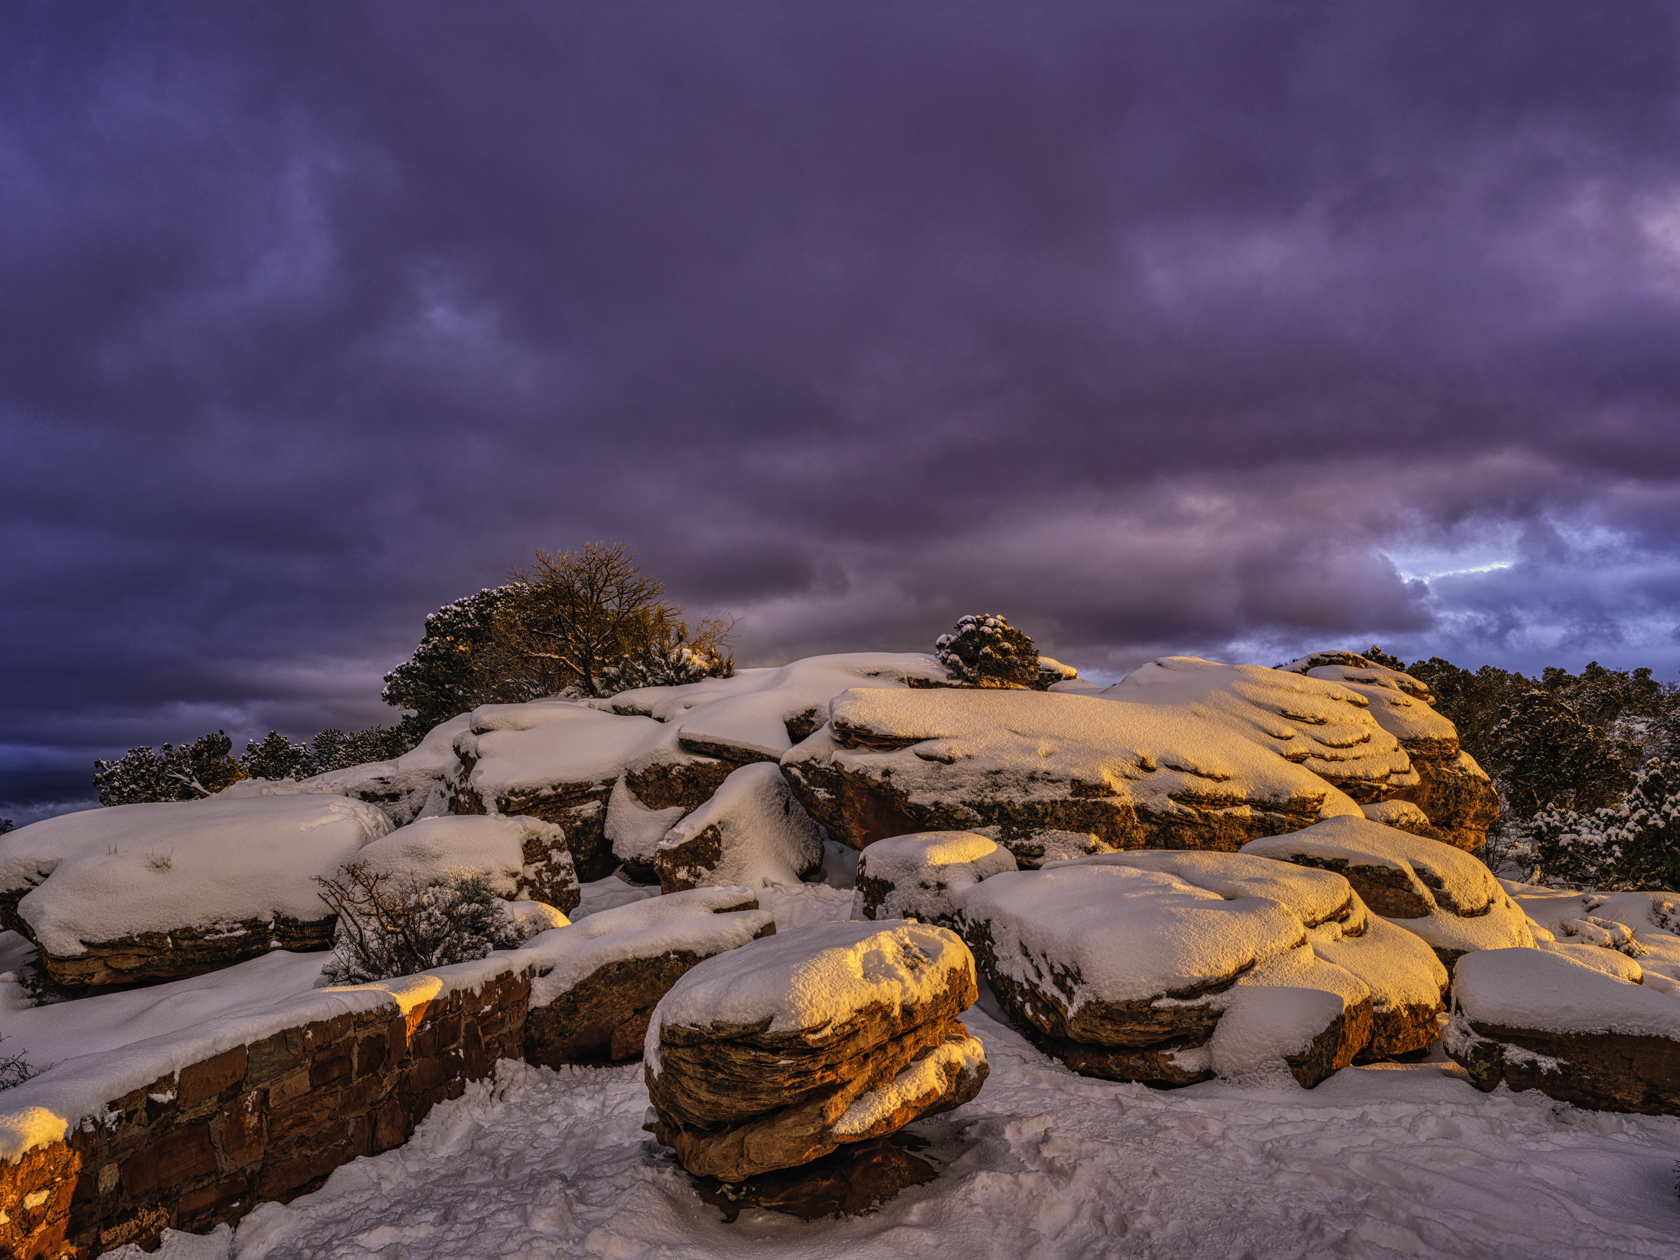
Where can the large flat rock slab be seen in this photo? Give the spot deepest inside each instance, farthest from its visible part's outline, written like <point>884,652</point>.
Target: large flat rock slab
<point>1540,1020</point>
<point>140,893</point>
<point>1026,762</point>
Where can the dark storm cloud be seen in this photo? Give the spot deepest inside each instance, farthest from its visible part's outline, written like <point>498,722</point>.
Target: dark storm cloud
<point>1232,329</point>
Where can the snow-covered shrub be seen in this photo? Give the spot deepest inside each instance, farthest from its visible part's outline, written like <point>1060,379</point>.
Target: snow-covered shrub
<point>1630,846</point>
<point>389,925</point>
<point>15,1069</point>
<point>986,651</point>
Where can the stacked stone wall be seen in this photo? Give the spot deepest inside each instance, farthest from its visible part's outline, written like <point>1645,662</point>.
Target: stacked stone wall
<point>264,1121</point>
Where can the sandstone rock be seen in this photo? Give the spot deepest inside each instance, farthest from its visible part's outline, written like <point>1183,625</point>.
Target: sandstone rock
<point>1539,1020</point>
<point>1452,790</point>
<point>519,857</point>
<point>1458,797</point>
<point>1131,774</point>
<point>1407,982</point>
<point>779,1052</point>
<point>1133,973</point>
<point>139,893</point>
<point>1429,888</point>
<point>601,977</point>
<point>922,876</point>
<point>1402,816</point>
<point>753,832</point>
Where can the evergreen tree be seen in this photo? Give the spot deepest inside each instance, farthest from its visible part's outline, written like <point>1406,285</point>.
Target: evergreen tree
<point>1544,757</point>
<point>275,757</point>
<point>446,674</point>
<point>6,825</point>
<point>1634,844</point>
<point>189,772</point>
<point>986,651</point>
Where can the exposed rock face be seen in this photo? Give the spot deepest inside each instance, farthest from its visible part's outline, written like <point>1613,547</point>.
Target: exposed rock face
<point>922,876</point>
<point>1027,762</point>
<point>1540,1020</point>
<point>152,957</point>
<point>753,832</point>
<point>1124,969</point>
<point>786,1049</point>
<point>1452,790</point>
<point>612,968</point>
<point>1458,797</point>
<point>1429,888</point>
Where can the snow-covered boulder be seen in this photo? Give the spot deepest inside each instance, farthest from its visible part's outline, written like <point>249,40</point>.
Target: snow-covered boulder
<point>157,892</point>
<point>752,832</point>
<point>774,1054</point>
<point>518,857</point>
<point>1029,762</point>
<point>923,876</point>
<point>601,977</point>
<point>1453,792</point>
<point>1408,984</point>
<point>1541,1020</point>
<point>1126,970</point>
<point>1431,889</point>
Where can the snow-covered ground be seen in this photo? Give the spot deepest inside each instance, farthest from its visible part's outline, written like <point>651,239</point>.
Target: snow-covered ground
<point>1376,1162</point>
<point>1388,1161</point>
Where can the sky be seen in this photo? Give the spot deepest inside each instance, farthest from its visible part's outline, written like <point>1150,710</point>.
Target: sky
<point>1237,330</point>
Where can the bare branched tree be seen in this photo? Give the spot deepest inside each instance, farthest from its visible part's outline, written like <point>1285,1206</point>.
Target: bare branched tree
<point>590,619</point>
<point>391,925</point>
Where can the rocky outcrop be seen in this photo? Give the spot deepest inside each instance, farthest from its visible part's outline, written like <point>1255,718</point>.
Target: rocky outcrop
<point>753,832</point>
<point>1028,763</point>
<point>1452,790</point>
<point>924,876</point>
<point>777,1053</point>
<point>592,1002</point>
<point>1432,889</point>
<point>1540,1020</point>
<point>1130,972</point>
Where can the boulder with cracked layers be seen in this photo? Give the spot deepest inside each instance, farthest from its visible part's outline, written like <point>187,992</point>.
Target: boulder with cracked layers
<point>923,876</point>
<point>1172,968</point>
<point>1128,773</point>
<point>601,978</point>
<point>520,858</point>
<point>777,1053</point>
<point>1452,791</point>
<point>1432,889</point>
<point>143,893</point>
<point>1540,1020</point>
<point>557,760</point>
<point>753,831</point>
